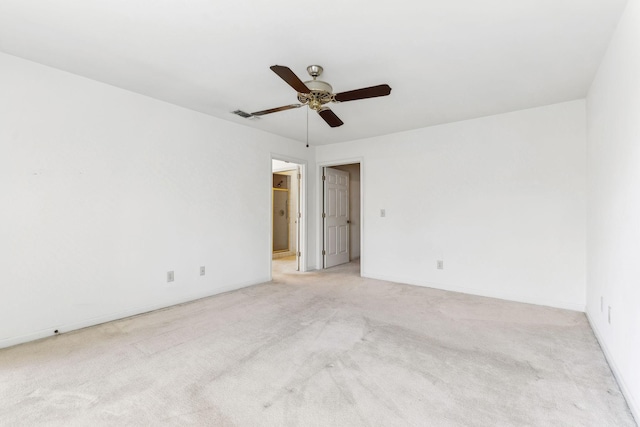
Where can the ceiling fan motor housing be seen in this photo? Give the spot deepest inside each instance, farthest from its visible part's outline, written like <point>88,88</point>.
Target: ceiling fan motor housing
<point>321,93</point>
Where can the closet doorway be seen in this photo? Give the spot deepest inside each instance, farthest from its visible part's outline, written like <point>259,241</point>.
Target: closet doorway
<point>286,202</point>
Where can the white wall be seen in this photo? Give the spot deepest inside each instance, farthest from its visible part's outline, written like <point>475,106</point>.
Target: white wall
<point>613,118</point>
<point>281,165</point>
<point>102,191</point>
<point>500,199</point>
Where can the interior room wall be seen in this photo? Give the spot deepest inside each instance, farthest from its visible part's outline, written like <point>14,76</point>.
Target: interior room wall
<point>280,165</point>
<point>613,232</point>
<point>354,208</point>
<point>104,191</point>
<point>500,199</point>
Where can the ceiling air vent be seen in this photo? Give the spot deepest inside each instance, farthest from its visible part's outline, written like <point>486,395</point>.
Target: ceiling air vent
<point>242,114</point>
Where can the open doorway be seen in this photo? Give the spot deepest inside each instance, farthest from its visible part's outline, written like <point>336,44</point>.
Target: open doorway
<point>286,216</point>
<point>341,214</point>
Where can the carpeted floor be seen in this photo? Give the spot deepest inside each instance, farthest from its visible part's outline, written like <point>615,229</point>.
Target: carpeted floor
<point>320,349</point>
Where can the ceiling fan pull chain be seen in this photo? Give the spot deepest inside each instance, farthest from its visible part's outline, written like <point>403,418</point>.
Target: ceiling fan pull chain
<point>307,128</point>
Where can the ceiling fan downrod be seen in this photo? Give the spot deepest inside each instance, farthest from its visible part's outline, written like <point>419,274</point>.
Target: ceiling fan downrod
<point>320,92</point>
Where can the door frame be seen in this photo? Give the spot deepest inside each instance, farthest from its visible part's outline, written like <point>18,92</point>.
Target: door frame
<point>320,198</point>
<point>302,226</point>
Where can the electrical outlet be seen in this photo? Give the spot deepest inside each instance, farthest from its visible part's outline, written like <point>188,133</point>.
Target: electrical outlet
<point>609,315</point>
<point>440,264</point>
<point>170,276</point>
<point>202,270</point>
<point>383,213</point>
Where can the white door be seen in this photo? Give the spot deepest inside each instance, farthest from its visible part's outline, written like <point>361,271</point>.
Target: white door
<point>335,217</point>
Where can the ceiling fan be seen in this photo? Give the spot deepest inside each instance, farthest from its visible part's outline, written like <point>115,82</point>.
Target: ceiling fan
<point>316,93</point>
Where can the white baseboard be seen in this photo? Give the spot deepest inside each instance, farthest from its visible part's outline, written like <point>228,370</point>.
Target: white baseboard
<point>631,399</point>
<point>133,311</point>
<point>479,292</point>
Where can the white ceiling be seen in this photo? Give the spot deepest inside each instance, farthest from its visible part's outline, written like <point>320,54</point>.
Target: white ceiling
<point>446,60</point>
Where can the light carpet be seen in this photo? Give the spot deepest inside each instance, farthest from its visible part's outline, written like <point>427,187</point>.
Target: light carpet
<point>320,349</point>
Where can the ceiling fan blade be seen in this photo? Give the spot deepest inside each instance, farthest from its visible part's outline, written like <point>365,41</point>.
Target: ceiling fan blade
<point>367,92</point>
<point>288,76</point>
<point>275,110</point>
<point>330,117</point>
